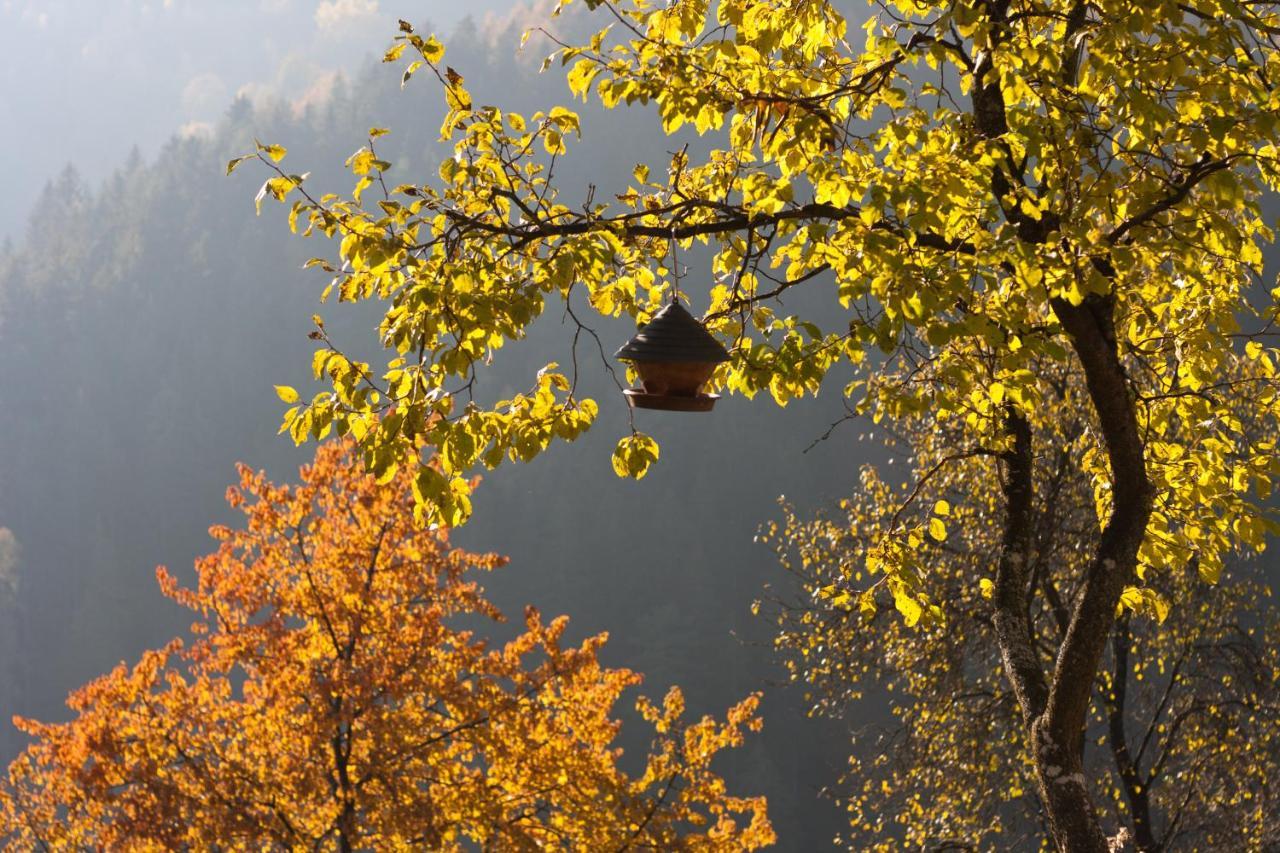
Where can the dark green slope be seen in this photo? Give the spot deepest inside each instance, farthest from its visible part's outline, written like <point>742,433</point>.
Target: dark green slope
<point>143,323</point>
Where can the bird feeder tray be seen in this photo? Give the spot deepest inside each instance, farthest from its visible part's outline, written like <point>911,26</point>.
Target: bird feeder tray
<point>674,356</point>
<point>669,403</point>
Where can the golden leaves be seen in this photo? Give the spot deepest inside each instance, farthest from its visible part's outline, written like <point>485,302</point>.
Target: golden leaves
<point>330,652</point>
<point>905,227</point>
<point>633,456</point>
<point>1131,173</point>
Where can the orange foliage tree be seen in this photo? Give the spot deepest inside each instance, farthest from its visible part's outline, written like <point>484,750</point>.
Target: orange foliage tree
<point>334,695</point>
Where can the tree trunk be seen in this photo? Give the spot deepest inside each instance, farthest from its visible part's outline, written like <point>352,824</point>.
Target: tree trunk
<point>1055,709</point>
<point>1072,820</point>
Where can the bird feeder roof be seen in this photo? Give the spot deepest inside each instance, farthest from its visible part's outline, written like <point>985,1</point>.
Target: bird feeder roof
<point>673,335</point>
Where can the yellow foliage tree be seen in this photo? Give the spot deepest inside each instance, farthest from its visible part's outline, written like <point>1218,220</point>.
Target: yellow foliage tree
<point>335,696</point>
<point>993,191</point>
<point>1183,732</point>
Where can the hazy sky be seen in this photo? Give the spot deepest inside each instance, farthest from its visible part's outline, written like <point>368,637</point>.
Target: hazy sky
<point>82,81</point>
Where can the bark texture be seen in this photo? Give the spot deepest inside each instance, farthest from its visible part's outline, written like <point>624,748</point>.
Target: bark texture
<point>1055,705</point>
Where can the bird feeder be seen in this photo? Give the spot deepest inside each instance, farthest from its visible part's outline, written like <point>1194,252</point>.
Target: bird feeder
<point>674,356</point>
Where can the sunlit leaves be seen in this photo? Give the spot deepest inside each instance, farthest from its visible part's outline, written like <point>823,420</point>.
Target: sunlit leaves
<point>633,456</point>
<point>834,164</point>
<point>277,188</point>
<point>275,152</point>
<point>951,764</point>
<point>1145,601</point>
<point>337,643</point>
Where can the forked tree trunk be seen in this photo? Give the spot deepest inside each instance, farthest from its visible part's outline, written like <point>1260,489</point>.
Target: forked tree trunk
<point>1055,706</point>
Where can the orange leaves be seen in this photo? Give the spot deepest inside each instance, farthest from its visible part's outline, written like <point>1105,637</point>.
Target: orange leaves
<point>330,694</point>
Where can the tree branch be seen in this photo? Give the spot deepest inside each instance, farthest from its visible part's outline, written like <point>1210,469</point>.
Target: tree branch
<point>1021,664</point>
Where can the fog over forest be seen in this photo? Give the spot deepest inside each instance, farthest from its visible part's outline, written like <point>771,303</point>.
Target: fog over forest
<point>146,313</point>
<point>144,320</point>
<point>88,81</point>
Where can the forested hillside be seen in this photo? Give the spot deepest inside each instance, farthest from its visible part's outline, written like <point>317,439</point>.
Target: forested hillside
<point>144,322</point>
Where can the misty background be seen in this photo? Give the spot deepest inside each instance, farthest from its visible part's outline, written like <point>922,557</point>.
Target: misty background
<point>145,314</point>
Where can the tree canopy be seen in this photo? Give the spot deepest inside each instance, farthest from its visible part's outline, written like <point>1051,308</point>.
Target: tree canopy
<point>1183,731</point>
<point>995,192</point>
<point>337,694</point>
<point>120,310</point>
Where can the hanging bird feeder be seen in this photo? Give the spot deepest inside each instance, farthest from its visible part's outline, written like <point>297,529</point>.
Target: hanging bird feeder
<point>674,356</point>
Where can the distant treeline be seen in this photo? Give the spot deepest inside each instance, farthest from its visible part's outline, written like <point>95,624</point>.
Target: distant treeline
<point>143,323</point>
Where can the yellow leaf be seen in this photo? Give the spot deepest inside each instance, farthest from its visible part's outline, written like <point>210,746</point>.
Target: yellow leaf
<point>633,456</point>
